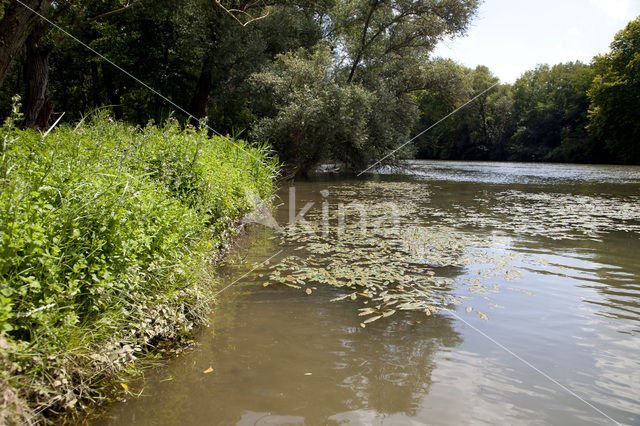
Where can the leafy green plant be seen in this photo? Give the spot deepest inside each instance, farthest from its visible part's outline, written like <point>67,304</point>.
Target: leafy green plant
<point>103,232</point>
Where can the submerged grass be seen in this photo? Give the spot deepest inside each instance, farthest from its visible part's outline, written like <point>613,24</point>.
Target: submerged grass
<point>104,231</point>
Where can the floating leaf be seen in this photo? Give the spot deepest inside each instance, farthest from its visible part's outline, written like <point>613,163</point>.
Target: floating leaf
<point>483,316</point>
<point>393,262</point>
<point>372,319</point>
<point>337,299</point>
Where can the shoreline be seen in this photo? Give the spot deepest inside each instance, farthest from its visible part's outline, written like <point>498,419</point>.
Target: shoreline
<point>133,277</point>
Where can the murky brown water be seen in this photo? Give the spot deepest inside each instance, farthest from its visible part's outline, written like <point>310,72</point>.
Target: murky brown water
<point>561,344</point>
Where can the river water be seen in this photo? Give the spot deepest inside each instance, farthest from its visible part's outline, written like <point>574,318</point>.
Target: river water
<point>519,302</point>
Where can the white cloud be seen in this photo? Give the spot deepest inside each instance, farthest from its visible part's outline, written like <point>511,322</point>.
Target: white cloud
<point>574,31</point>
<point>620,10</point>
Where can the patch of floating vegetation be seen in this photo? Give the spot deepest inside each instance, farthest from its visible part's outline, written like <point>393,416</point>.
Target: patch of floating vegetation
<point>375,254</point>
<point>410,254</point>
<point>551,215</point>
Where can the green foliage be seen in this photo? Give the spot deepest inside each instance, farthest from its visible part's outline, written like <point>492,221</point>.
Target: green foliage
<point>353,103</point>
<point>542,117</point>
<point>3,4</point>
<point>479,131</point>
<point>339,81</point>
<point>169,45</point>
<point>103,229</point>
<point>615,96</point>
<point>317,118</point>
<point>551,104</point>
<point>361,107</point>
<point>569,112</point>
<point>373,33</point>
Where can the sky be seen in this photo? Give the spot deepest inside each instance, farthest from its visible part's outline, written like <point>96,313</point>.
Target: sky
<point>513,36</point>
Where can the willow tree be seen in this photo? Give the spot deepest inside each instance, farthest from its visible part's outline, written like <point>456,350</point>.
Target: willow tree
<point>378,58</point>
<point>371,32</point>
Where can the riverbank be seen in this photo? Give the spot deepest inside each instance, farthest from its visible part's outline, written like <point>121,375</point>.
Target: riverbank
<point>107,233</point>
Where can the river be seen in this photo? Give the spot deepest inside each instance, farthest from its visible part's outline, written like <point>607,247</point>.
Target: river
<point>470,293</point>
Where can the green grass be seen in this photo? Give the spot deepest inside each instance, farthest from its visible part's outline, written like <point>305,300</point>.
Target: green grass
<point>105,229</point>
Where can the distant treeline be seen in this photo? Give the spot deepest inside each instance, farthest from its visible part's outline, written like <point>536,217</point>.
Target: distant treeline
<point>325,80</point>
<point>570,112</point>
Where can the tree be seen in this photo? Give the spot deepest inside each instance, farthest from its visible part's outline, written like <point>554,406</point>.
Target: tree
<point>376,58</point>
<point>314,117</point>
<point>230,53</point>
<point>16,25</point>
<point>369,32</point>
<point>615,97</point>
<point>477,132</point>
<point>550,113</point>
<point>75,16</point>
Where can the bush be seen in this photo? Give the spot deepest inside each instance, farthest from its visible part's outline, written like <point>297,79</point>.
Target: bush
<point>318,119</point>
<point>102,229</point>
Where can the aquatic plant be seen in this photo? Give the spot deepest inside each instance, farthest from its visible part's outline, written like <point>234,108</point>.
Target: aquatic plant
<point>389,246</point>
<point>390,259</point>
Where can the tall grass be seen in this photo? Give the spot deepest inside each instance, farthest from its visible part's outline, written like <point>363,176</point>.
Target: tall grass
<point>103,232</point>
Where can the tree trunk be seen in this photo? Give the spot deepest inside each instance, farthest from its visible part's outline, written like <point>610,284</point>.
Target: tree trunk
<point>354,66</point>
<point>200,99</point>
<point>363,41</point>
<point>15,26</point>
<point>36,77</point>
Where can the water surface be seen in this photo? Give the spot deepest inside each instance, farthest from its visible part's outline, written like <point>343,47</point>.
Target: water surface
<point>558,340</point>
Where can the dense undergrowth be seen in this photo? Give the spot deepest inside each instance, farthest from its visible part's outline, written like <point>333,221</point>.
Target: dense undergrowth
<point>104,231</point>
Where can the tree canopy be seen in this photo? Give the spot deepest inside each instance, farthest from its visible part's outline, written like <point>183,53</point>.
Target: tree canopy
<point>615,96</point>
<point>322,81</point>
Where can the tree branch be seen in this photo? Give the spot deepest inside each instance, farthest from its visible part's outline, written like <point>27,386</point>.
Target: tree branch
<point>115,11</point>
<point>235,13</point>
<point>363,42</point>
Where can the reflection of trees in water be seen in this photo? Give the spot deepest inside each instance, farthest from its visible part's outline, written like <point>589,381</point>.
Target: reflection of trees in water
<point>265,343</point>
<point>401,354</point>
<point>385,367</point>
<point>619,275</point>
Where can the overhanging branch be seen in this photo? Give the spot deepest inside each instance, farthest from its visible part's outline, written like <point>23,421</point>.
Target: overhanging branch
<point>242,13</point>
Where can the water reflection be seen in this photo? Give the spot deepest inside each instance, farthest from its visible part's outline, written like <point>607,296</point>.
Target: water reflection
<point>285,359</point>
<point>521,173</point>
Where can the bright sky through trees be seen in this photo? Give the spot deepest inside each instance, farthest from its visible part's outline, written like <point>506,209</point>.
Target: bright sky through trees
<point>513,36</point>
